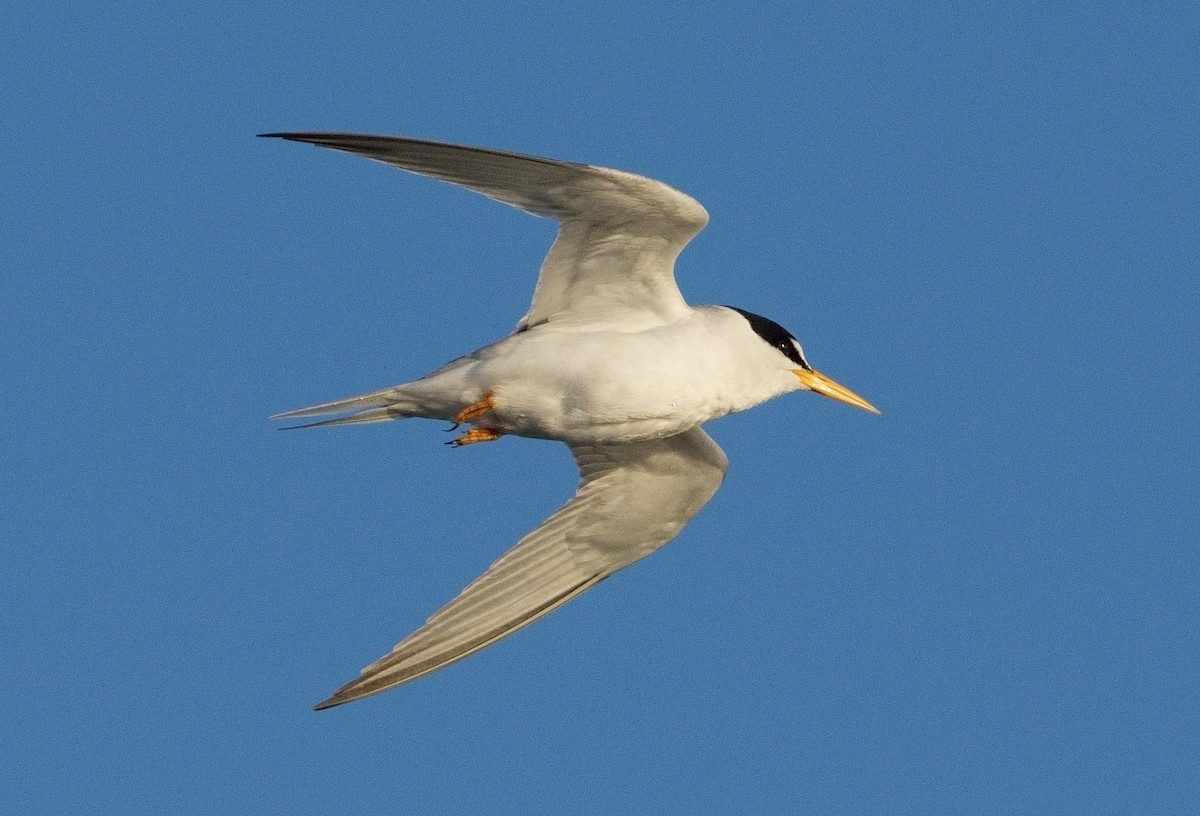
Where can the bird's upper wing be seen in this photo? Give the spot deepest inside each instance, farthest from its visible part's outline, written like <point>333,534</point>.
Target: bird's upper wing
<point>619,233</point>
<point>632,499</point>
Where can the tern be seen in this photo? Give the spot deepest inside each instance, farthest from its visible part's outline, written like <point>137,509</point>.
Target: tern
<point>609,360</point>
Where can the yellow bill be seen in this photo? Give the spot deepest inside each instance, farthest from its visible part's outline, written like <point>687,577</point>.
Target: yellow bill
<point>816,381</point>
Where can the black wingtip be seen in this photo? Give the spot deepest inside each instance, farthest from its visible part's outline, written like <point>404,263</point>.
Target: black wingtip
<point>291,136</point>
<point>324,704</point>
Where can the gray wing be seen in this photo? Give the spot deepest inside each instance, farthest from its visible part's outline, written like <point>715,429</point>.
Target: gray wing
<point>631,500</point>
<point>619,233</point>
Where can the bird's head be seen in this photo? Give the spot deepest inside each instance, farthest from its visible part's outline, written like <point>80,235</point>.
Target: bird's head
<point>792,360</point>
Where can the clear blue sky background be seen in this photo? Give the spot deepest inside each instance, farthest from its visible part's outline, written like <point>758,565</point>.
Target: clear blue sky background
<point>982,217</point>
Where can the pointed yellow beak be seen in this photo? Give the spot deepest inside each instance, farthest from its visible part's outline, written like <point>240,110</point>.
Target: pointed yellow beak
<point>816,381</point>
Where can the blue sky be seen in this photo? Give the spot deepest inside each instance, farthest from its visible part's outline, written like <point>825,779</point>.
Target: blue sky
<point>982,218</point>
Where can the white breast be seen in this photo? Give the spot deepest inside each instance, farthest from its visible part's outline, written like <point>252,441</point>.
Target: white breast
<point>612,386</point>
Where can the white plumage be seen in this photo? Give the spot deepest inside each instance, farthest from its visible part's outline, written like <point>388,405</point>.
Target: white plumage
<point>609,359</point>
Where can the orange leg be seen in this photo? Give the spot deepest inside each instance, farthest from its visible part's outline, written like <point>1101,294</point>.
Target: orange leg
<point>473,413</point>
<point>475,410</point>
<point>476,435</point>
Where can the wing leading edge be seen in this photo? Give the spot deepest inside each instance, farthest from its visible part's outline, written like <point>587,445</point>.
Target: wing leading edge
<point>619,233</point>
<point>632,499</point>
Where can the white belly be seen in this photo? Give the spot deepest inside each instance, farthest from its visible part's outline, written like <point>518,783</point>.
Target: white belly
<point>597,386</point>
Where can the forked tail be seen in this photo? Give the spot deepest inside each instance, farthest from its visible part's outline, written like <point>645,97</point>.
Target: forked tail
<point>377,406</point>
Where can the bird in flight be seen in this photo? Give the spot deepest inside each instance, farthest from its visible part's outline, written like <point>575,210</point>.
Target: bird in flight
<point>609,360</point>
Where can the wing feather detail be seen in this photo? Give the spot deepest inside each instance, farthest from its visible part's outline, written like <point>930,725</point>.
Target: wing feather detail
<point>632,499</point>
<point>619,234</point>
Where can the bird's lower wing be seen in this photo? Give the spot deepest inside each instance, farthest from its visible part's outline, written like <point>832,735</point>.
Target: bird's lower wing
<point>631,500</point>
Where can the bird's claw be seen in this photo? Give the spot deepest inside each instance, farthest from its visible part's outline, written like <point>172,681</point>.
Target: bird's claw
<point>475,435</point>
<point>472,413</point>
